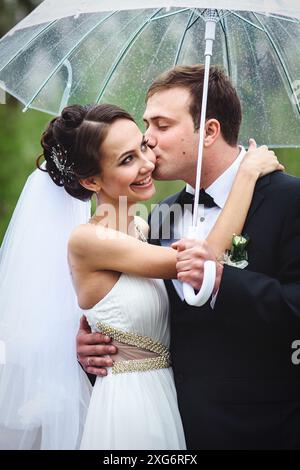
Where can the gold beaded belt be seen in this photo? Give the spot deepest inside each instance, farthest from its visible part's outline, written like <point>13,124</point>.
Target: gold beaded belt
<point>154,354</point>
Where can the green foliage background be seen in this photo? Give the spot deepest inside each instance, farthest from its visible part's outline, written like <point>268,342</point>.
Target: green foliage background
<point>20,135</point>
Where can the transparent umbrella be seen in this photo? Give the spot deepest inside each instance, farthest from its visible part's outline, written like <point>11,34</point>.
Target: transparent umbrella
<point>80,51</point>
<point>76,51</point>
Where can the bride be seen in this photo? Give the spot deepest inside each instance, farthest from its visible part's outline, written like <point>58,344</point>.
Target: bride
<point>44,394</point>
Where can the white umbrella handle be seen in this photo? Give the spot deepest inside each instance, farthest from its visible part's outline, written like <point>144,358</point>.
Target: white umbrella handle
<point>207,287</point>
<point>209,278</point>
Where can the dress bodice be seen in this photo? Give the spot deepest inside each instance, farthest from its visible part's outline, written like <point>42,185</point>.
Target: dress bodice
<point>135,305</point>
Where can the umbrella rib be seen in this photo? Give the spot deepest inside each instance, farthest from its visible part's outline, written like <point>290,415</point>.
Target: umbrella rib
<point>170,14</point>
<point>224,28</point>
<point>61,62</point>
<point>281,18</point>
<point>183,37</point>
<point>247,21</point>
<point>282,62</point>
<point>260,86</point>
<point>123,52</point>
<point>195,20</point>
<point>28,43</point>
<point>66,94</point>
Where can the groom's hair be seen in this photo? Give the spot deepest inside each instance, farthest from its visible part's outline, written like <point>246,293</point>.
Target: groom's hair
<point>223,102</point>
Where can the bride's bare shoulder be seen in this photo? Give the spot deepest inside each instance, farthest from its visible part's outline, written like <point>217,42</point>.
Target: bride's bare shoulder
<point>84,236</point>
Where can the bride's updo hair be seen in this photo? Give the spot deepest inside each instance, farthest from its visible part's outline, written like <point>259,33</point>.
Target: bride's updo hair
<point>71,144</point>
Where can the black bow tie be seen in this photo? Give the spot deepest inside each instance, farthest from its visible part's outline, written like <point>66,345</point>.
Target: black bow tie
<point>204,198</point>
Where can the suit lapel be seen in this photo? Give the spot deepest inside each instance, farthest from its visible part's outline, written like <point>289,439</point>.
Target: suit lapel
<point>168,218</point>
<point>258,197</point>
<point>162,220</point>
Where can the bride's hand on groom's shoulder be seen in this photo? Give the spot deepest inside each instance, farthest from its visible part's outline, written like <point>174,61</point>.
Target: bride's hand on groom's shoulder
<point>260,161</point>
<point>91,347</point>
<point>191,256</point>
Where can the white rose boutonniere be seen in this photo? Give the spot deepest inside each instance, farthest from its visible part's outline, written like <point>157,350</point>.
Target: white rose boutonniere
<point>237,256</point>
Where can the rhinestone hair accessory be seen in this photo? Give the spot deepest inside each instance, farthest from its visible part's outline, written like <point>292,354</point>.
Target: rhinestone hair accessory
<point>59,157</point>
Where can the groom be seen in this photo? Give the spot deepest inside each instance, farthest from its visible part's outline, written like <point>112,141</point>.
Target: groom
<point>237,385</point>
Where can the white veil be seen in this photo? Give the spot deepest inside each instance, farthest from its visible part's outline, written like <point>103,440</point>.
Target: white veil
<point>43,391</point>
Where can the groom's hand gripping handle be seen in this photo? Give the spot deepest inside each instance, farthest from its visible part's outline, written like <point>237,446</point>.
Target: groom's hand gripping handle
<point>91,347</point>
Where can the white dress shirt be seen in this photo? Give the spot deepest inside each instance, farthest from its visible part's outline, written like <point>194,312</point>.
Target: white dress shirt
<point>219,190</point>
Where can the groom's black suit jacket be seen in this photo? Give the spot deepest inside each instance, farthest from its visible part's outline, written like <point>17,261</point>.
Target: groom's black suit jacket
<point>236,383</point>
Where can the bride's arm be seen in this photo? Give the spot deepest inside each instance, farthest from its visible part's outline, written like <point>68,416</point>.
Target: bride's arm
<point>257,162</point>
<point>95,248</point>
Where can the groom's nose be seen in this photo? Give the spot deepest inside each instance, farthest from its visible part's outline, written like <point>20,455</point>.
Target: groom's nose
<point>152,141</point>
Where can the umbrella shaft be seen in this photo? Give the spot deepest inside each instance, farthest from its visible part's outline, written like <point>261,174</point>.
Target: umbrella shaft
<point>209,38</point>
<point>210,34</point>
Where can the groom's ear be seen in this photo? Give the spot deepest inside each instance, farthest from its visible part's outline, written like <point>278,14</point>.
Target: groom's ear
<point>212,132</point>
<point>92,183</point>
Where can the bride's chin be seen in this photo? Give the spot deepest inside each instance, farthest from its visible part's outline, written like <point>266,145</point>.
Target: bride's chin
<point>140,199</point>
<point>145,195</point>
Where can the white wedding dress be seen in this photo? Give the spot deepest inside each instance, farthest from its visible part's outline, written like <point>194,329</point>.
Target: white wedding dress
<point>137,409</point>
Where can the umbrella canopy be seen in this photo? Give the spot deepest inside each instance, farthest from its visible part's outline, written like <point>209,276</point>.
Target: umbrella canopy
<point>51,9</point>
<point>79,51</point>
